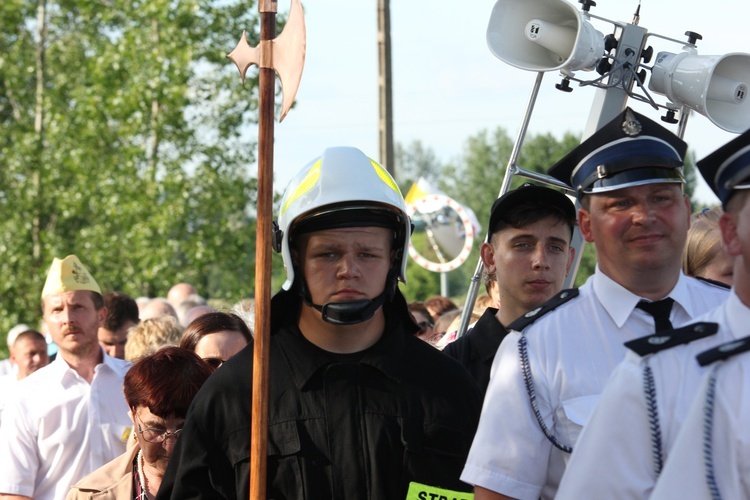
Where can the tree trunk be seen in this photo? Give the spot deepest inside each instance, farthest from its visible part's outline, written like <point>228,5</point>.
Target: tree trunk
<point>36,176</point>
<point>153,152</point>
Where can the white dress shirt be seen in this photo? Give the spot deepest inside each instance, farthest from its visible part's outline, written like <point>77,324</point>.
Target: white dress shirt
<point>7,367</point>
<point>614,457</point>
<point>687,473</point>
<point>572,352</point>
<point>8,383</point>
<point>60,428</point>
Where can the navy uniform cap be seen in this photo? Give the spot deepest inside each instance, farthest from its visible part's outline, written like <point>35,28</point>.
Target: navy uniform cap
<point>531,194</point>
<point>728,168</point>
<point>630,150</point>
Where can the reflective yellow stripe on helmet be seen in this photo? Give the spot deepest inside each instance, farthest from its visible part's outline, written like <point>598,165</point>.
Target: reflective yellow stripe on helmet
<point>385,176</point>
<point>306,185</point>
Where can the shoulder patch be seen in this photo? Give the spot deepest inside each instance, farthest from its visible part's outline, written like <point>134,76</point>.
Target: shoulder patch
<point>717,284</point>
<point>552,304</point>
<point>661,341</point>
<point>724,351</point>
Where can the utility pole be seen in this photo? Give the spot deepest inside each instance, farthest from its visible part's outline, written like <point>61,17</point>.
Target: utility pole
<point>385,124</point>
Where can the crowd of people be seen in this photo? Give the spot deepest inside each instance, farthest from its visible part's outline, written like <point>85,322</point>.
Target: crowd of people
<point>631,386</point>
<point>115,373</point>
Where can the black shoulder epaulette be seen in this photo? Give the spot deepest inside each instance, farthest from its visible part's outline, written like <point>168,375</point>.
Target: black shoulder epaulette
<point>723,351</point>
<point>660,341</point>
<point>715,283</point>
<point>552,304</point>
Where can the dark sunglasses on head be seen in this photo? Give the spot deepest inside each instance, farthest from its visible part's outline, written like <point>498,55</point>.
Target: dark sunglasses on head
<point>423,325</point>
<point>214,362</point>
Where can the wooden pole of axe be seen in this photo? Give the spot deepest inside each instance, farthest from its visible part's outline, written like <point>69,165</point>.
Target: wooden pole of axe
<point>285,55</point>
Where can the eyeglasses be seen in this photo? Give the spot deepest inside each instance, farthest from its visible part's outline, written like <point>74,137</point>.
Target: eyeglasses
<point>154,435</point>
<point>424,325</point>
<point>214,362</point>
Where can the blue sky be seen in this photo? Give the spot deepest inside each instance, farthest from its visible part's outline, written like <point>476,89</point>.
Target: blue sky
<point>448,86</point>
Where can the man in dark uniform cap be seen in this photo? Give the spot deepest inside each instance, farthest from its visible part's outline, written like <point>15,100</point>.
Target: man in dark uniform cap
<point>549,371</point>
<point>649,393</point>
<point>529,252</point>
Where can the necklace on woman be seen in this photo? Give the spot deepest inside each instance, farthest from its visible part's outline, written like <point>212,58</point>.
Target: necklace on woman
<point>142,477</point>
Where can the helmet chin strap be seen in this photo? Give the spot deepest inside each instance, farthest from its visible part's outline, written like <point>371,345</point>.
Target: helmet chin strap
<point>353,311</point>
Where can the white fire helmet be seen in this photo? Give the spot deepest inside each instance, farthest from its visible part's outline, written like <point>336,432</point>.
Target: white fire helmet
<point>342,188</point>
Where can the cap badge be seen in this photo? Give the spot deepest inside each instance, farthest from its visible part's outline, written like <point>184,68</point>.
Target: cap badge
<point>79,275</point>
<point>630,125</point>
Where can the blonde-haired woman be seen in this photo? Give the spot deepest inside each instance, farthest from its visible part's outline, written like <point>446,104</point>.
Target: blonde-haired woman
<point>704,254</point>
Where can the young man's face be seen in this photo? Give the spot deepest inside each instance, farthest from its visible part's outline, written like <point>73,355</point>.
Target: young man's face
<point>113,342</point>
<point>637,229</point>
<point>530,263</point>
<point>73,320</point>
<point>341,265</point>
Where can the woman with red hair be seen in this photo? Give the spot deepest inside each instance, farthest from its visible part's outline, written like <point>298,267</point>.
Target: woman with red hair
<point>158,388</point>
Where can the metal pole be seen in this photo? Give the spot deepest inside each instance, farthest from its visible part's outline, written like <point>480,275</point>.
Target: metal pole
<point>510,171</point>
<point>444,285</point>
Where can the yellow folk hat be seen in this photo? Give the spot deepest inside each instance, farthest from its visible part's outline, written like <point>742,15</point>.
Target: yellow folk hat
<point>67,275</point>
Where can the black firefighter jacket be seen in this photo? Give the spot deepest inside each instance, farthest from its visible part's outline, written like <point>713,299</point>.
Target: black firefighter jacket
<point>358,426</point>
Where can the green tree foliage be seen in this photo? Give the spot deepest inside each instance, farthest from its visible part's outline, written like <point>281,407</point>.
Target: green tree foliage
<point>415,161</point>
<point>123,143</point>
<point>478,177</point>
<point>691,181</point>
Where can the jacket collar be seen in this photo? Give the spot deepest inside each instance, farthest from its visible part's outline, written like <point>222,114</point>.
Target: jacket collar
<point>115,476</point>
<point>305,360</point>
<point>486,335</point>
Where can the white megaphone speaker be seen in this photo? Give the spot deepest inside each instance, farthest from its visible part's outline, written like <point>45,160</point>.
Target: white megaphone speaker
<point>714,86</point>
<point>543,35</point>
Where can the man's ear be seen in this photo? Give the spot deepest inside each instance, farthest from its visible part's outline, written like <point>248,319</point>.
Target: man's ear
<point>571,258</point>
<point>102,315</point>
<point>584,225</point>
<point>728,227</point>
<point>487,253</point>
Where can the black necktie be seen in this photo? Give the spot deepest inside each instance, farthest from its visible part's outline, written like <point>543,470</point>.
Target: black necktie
<point>660,311</point>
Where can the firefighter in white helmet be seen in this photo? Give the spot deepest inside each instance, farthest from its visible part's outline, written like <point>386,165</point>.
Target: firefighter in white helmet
<point>359,407</point>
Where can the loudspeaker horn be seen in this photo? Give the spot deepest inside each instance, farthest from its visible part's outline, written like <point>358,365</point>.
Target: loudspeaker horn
<point>714,86</point>
<point>543,35</point>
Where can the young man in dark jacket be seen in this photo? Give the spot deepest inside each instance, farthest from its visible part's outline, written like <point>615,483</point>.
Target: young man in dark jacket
<point>529,253</point>
<point>359,407</point>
